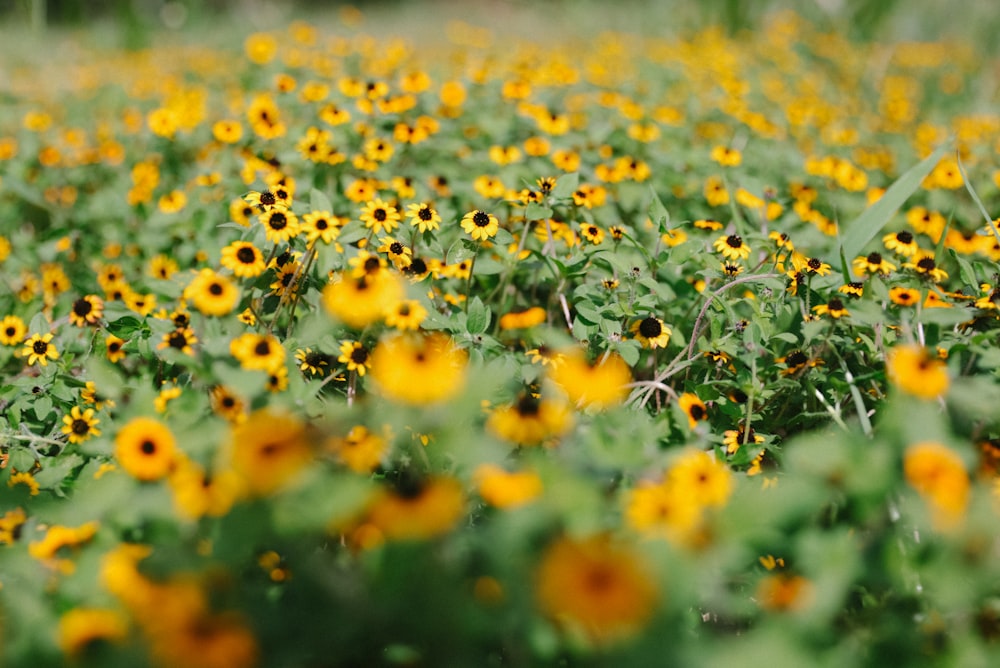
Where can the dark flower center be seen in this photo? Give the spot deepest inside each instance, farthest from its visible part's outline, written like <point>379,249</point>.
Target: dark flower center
<point>527,405</point>
<point>321,224</point>
<point>734,241</point>
<point>267,198</point>
<point>80,427</point>
<point>814,264</point>
<point>315,359</point>
<point>262,349</point>
<point>927,264</point>
<point>396,248</point>
<point>650,328</point>
<point>380,215</point>
<point>835,304</point>
<point>215,289</point>
<point>697,411</point>
<point>359,355</point>
<point>418,266</point>
<point>181,320</point>
<point>246,255</point>
<point>481,219</point>
<point>425,214</point>
<point>114,347</point>
<point>372,265</point>
<point>82,307</point>
<point>798,358</point>
<point>904,237</point>
<point>178,340</point>
<point>40,347</point>
<point>10,331</point>
<point>404,309</point>
<point>874,258</point>
<point>277,221</point>
<point>147,447</point>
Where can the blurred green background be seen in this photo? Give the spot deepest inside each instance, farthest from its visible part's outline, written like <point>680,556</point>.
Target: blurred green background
<point>975,20</point>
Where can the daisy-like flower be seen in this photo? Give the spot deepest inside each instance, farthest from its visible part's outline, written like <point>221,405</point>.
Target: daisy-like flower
<point>732,247</point>
<point>243,259</point>
<point>258,351</point>
<point>423,217</point>
<point>40,349</point>
<point>901,242</point>
<point>707,224</point>
<point>816,266</point>
<point>146,449</point>
<point>80,425</point>
<point>917,372</point>
<point>361,450</point>
<point>834,308</point>
<point>416,507</point>
<point>400,254</point>
<point>923,263</point>
<point>212,293</point>
<point>795,361</point>
<point>312,362</point>
<point>380,217</point>
<point>592,233</point>
<point>873,263</point>
<point>416,369</point>
<point>503,489</point>
<point>852,289</point>
<point>280,224</point>
<point>726,156</point>
<point>12,330</point>
<point>531,420</point>
<point>651,332</point>
<point>321,226</point>
<point>355,356</point>
<point>268,450</point>
<point>599,385</point>
<point>693,407</point>
<point>480,225</point>
<point>86,310</point>
<point>180,340</point>
<point>115,348</point>
<point>904,296</point>
<point>227,404</point>
<point>732,439</point>
<point>406,315</point>
<point>781,240</point>
<point>264,200</point>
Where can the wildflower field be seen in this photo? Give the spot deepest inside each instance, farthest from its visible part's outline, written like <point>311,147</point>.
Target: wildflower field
<point>323,346</point>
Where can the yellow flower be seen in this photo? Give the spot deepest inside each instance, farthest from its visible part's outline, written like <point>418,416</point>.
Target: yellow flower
<point>727,157</point>
<point>531,317</point>
<point>417,509</point>
<point>146,449</point>
<point>693,407</point>
<point>599,385</point>
<point>361,450</point>
<point>480,225</point>
<point>80,628</point>
<point>597,586</point>
<point>268,450</point>
<point>39,349</point>
<point>503,489</point>
<point>212,293</point>
<point>916,372</point>
<point>80,425</point>
<point>651,332</point>
<point>530,420</point>
<point>939,475</point>
<point>416,369</point>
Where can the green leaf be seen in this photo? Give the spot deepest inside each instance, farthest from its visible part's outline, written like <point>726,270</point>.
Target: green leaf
<point>588,313</point>
<point>42,407</point>
<point>864,228</point>
<point>478,317</point>
<point>658,212</point>
<point>629,351</point>
<point>318,201</point>
<point>965,270</point>
<point>535,211</point>
<point>566,185</point>
<point>124,327</point>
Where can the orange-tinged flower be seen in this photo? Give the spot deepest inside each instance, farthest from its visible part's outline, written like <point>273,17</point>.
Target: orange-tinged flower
<point>917,372</point>
<point>939,475</point>
<point>599,385</point>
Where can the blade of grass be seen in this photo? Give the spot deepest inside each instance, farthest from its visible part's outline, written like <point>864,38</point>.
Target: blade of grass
<point>975,198</point>
<point>864,228</point>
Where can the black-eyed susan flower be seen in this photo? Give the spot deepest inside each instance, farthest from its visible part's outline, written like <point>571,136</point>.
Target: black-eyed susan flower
<point>162,266</point>
<point>938,474</point>
<point>211,293</point>
<point>114,348</point>
<point>794,362</point>
<point>531,317</point>
<point>268,450</point>
<point>200,493</point>
<point>592,233</point>
<point>360,301</point>
<point>599,385</point>
<point>145,448</point>
<point>406,315</point>
<point>423,217</point>
<point>817,267</point>
<point>264,200</point>
<point>258,351</point>
<point>699,476</point>
<point>322,226</point>
<point>227,404</point>
<point>243,259</point>
<point>674,237</point>
<point>416,508</point>
<point>180,340</point>
<point>312,362</point>
<point>693,407</point>
<point>651,332</point>
<point>834,308</point>
<point>39,349</point>
<point>380,217</point>
<point>530,420</point>
<point>398,253</point>
<point>904,296</point>
<point>923,263</point>
<point>280,224</point>
<point>12,330</point>
<point>79,425</point>
<point>355,356</point>
<point>506,489</point>
<point>732,247</point>
<point>596,585</point>
<point>902,243</point>
<point>26,480</point>
<point>873,263</point>
<point>915,371</point>
<point>781,240</point>
<point>418,369</point>
<point>480,225</point>
<point>361,450</point>
<point>732,439</point>
<point>81,629</point>
<point>726,156</point>
<point>708,224</point>
<point>852,289</point>
<point>86,310</point>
